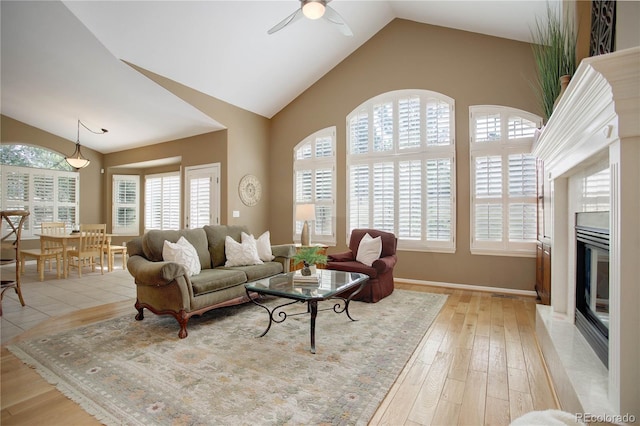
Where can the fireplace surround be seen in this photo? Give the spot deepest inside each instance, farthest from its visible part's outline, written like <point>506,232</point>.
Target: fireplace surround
<point>595,121</point>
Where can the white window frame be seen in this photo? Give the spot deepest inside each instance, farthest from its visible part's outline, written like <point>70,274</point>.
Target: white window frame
<point>31,203</point>
<point>503,146</point>
<point>394,154</point>
<point>134,227</point>
<point>166,203</point>
<point>314,164</point>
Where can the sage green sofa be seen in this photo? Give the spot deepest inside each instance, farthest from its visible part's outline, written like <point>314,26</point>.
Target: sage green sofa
<point>165,288</point>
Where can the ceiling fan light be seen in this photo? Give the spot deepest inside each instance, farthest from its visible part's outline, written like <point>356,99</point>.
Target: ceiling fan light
<point>313,9</point>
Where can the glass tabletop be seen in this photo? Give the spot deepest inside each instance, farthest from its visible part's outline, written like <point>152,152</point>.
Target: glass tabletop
<point>294,286</point>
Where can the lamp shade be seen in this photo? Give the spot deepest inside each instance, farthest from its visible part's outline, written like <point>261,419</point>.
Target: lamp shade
<point>77,160</point>
<point>305,212</point>
<point>313,9</point>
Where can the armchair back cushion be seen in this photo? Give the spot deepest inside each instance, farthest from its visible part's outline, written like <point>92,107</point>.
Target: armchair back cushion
<point>389,241</point>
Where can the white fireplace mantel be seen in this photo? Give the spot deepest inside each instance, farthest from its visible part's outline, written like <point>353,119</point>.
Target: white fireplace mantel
<point>598,117</point>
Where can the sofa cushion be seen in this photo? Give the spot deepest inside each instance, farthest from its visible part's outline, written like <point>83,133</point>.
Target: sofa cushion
<point>262,243</point>
<point>354,266</point>
<point>216,279</point>
<point>257,272</point>
<point>216,235</point>
<point>240,254</point>
<point>183,253</point>
<point>153,242</point>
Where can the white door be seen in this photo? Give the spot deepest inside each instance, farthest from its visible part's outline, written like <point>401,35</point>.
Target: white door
<point>202,191</point>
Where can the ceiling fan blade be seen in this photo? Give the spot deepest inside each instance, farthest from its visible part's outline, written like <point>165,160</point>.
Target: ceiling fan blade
<point>286,21</point>
<point>334,17</point>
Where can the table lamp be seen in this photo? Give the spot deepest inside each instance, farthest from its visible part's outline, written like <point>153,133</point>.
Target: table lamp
<point>306,213</point>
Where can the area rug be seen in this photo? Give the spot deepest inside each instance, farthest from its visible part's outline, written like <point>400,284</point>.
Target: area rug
<point>127,372</point>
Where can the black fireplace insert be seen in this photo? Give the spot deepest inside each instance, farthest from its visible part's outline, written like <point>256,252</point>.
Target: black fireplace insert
<point>592,280</point>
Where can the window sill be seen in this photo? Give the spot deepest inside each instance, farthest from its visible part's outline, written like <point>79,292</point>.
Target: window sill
<point>504,253</point>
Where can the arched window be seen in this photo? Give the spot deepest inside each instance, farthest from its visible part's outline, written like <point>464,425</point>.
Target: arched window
<point>503,180</point>
<point>314,182</point>
<point>401,168</point>
<point>40,181</point>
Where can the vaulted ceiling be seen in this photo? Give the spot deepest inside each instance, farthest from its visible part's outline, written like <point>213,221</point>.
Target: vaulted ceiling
<point>64,61</point>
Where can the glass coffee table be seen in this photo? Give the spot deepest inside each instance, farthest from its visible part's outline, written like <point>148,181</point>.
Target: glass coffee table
<point>330,285</point>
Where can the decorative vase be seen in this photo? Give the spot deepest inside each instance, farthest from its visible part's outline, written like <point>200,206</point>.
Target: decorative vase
<point>305,271</point>
<point>564,82</point>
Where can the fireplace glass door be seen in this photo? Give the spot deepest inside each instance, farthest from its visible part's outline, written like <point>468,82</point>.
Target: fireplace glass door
<point>592,288</point>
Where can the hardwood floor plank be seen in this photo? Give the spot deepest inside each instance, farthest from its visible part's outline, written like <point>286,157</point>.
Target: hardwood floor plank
<point>480,354</point>
<point>429,394</point>
<point>519,404</point>
<point>474,399</point>
<point>497,412</point>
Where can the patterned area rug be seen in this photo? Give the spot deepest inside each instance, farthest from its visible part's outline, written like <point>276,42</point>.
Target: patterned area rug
<point>139,373</point>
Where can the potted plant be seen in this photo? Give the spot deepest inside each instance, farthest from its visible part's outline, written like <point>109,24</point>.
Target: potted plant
<point>554,51</point>
<point>309,256</point>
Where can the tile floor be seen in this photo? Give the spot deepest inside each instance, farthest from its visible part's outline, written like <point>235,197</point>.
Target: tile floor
<point>53,297</point>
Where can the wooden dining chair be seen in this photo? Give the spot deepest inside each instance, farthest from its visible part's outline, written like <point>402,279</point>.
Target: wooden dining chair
<point>10,249</point>
<point>91,246</point>
<point>111,250</point>
<point>48,251</point>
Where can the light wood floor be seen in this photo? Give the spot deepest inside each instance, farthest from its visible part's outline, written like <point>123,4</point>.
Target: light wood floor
<point>478,364</point>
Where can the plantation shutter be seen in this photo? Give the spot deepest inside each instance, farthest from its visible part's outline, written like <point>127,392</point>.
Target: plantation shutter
<point>359,196</point>
<point>67,200</point>
<point>409,123</point>
<point>383,196</point>
<point>439,199</point>
<point>504,179</point>
<point>200,202</point>
<point>49,195</point>
<point>43,199</point>
<point>400,168</point>
<point>595,192</point>
<point>314,183</point>
<point>410,199</point>
<point>126,191</point>
<point>162,202</point>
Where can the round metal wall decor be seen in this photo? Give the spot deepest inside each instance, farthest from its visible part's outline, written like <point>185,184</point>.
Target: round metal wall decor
<point>250,190</point>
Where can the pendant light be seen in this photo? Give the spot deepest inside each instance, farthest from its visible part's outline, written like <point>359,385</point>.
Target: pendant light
<point>77,160</point>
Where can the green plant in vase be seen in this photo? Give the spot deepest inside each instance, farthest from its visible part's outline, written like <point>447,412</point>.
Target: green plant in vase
<point>554,51</point>
<point>309,256</point>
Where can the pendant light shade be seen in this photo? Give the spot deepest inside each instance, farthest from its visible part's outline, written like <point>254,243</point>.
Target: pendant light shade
<point>77,160</point>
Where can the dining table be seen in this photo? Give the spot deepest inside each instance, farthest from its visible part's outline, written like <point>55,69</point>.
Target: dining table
<point>68,240</point>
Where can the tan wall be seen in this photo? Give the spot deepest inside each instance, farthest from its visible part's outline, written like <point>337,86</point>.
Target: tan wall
<point>91,203</point>
<point>247,151</point>
<point>471,68</point>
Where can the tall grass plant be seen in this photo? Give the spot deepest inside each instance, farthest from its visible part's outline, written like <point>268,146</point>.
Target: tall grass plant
<point>554,51</point>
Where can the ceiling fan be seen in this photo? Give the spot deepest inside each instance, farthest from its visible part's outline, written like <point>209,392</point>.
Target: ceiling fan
<point>315,9</point>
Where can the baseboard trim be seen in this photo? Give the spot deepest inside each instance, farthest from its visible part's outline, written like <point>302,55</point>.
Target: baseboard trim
<point>530,293</point>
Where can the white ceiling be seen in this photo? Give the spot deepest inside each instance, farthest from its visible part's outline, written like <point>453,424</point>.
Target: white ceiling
<point>63,61</point>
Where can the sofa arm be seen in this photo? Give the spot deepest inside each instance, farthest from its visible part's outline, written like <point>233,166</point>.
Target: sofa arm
<point>283,253</point>
<point>341,257</point>
<point>384,264</point>
<point>156,274</point>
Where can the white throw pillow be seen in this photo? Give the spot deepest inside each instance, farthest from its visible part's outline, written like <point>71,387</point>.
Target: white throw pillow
<point>263,245</point>
<point>183,253</point>
<point>240,254</point>
<point>369,249</point>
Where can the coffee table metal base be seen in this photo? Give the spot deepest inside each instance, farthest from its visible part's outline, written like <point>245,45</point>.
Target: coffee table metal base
<point>277,315</point>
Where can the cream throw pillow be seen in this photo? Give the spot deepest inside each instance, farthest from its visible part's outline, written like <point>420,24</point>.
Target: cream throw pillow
<point>183,253</point>
<point>240,254</point>
<point>369,249</point>
<point>263,245</point>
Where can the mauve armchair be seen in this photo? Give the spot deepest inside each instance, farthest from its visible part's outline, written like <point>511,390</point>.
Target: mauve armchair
<point>380,272</point>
